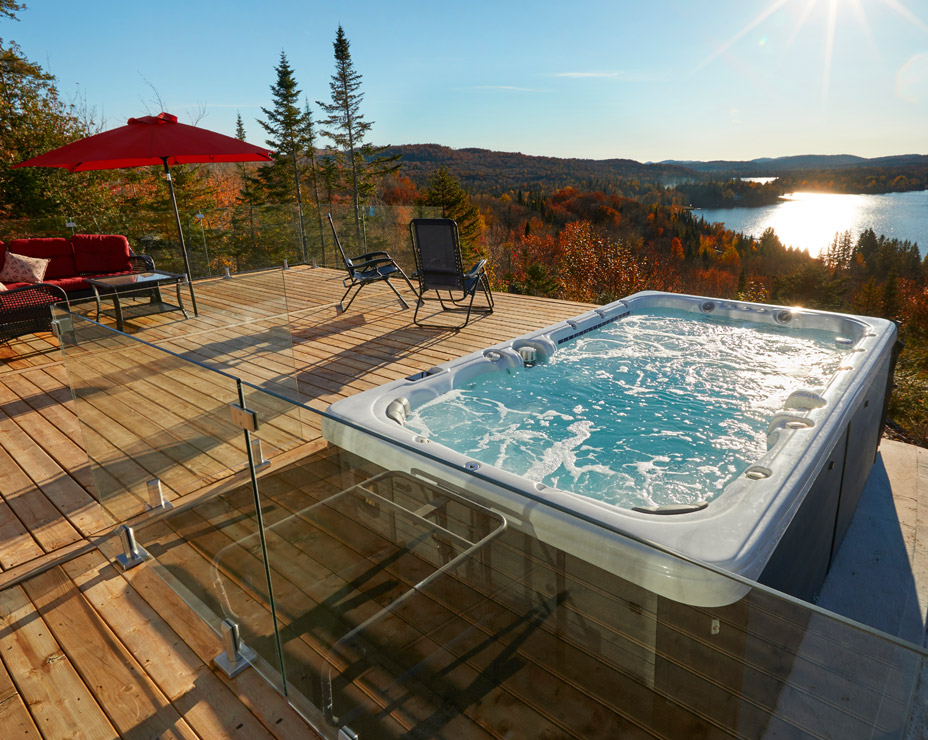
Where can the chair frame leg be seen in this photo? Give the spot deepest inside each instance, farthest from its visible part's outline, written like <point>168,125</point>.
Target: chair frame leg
<point>458,305</point>
<point>341,303</point>
<point>362,283</point>
<point>393,288</point>
<point>409,283</point>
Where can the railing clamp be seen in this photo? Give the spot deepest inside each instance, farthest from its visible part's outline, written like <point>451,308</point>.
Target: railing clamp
<point>132,554</point>
<point>257,453</point>
<point>235,656</point>
<point>156,499</point>
<point>244,418</point>
<point>64,325</point>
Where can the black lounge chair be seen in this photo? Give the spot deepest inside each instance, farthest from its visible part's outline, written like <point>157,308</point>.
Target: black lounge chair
<point>368,268</point>
<point>436,244</point>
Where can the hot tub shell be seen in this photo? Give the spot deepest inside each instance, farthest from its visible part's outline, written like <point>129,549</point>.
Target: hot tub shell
<point>780,522</point>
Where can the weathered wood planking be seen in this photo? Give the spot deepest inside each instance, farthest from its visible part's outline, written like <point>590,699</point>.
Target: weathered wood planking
<point>85,653</point>
<point>148,422</point>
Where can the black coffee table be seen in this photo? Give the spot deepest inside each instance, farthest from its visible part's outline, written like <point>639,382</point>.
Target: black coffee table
<point>138,284</point>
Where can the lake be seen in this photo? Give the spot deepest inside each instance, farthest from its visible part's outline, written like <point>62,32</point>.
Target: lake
<point>810,220</point>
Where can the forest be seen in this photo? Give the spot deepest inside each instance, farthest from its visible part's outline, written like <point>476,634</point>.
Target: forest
<point>571,229</point>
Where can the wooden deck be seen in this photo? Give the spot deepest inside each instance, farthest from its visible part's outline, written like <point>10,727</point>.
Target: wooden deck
<point>48,486</point>
<point>525,642</point>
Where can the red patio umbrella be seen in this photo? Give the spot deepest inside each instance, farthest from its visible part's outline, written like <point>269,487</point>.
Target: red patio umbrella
<point>152,140</point>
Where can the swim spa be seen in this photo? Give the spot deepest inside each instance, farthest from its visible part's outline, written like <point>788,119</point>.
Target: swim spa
<point>737,434</point>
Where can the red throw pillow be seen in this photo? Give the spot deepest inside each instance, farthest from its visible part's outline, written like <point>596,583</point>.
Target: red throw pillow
<point>101,253</point>
<point>57,251</point>
<point>2,254</point>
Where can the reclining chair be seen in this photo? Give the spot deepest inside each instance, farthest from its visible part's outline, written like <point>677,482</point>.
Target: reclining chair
<point>436,244</point>
<point>368,268</point>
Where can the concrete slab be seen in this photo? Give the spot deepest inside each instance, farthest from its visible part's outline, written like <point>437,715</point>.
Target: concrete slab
<point>880,574</point>
<point>875,578</point>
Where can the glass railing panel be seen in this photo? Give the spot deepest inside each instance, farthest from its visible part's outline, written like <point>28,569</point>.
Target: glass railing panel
<point>380,590</point>
<point>531,634</point>
<point>242,237</point>
<point>146,416</point>
<point>379,228</point>
<point>150,416</point>
<point>344,550</point>
<point>244,298</point>
<point>283,426</point>
<point>244,329</point>
<point>211,553</point>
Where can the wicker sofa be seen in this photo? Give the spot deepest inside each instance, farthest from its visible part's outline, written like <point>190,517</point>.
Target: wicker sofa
<point>25,308</point>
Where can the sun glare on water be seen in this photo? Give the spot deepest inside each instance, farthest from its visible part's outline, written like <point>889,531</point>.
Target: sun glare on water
<point>805,218</point>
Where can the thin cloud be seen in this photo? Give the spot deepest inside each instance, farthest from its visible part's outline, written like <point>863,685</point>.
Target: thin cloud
<point>217,105</point>
<point>579,75</point>
<point>507,88</point>
<point>637,76</point>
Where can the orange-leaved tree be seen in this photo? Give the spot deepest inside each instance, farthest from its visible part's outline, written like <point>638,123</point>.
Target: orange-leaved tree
<point>595,269</point>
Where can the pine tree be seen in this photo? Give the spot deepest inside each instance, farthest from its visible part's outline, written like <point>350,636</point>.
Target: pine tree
<point>445,192</point>
<point>285,126</point>
<point>328,168</point>
<point>249,193</point>
<point>346,128</point>
<point>309,136</point>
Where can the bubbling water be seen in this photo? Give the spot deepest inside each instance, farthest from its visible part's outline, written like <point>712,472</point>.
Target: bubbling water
<point>658,408</point>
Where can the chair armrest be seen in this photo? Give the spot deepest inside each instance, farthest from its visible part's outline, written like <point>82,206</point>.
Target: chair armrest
<point>27,309</point>
<point>372,255</point>
<point>479,267</point>
<point>375,262</point>
<point>141,263</point>
<point>35,294</point>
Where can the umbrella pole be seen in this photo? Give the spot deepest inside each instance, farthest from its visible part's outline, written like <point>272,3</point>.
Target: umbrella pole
<point>180,233</point>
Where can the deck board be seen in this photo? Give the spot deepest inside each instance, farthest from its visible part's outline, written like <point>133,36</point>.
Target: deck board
<point>58,699</point>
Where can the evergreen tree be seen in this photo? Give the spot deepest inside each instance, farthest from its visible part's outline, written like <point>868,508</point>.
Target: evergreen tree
<point>891,295</point>
<point>249,193</point>
<point>445,192</point>
<point>346,128</point>
<point>328,168</point>
<point>285,126</point>
<point>868,247</point>
<point>309,136</point>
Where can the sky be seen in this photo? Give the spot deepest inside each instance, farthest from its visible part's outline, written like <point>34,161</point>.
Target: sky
<point>645,80</point>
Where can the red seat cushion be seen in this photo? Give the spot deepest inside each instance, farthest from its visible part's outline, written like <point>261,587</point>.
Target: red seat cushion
<point>101,253</point>
<point>71,284</point>
<point>57,250</point>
